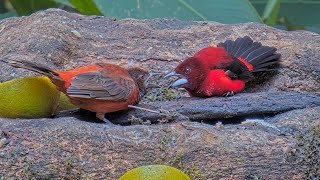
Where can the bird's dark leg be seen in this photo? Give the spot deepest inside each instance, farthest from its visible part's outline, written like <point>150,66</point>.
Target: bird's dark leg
<point>228,94</point>
<point>101,116</point>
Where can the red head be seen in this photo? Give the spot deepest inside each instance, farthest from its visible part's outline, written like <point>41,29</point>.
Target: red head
<point>191,72</point>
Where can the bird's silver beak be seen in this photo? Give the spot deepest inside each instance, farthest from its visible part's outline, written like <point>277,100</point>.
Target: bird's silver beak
<point>178,82</point>
<point>173,73</point>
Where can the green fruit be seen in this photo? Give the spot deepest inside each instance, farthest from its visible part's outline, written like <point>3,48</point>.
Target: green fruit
<point>29,97</point>
<point>154,172</point>
<point>65,104</point>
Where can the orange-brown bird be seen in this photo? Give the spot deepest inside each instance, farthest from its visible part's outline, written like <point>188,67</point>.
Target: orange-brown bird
<point>100,87</point>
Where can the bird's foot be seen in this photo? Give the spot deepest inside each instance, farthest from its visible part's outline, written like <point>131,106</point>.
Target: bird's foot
<point>107,121</point>
<point>228,94</point>
<point>101,116</point>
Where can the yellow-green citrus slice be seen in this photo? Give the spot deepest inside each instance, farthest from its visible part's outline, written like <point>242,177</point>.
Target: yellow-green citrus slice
<point>28,97</point>
<point>65,104</point>
<point>154,172</point>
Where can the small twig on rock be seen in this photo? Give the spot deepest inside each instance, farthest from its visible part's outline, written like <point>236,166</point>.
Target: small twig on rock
<point>149,110</point>
<point>156,59</point>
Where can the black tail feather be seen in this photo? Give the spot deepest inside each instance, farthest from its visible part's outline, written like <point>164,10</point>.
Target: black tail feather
<point>41,69</point>
<point>260,57</point>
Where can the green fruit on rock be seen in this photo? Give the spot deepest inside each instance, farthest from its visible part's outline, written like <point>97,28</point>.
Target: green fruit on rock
<point>154,172</point>
<point>28,97</point>
<point>65,104</point>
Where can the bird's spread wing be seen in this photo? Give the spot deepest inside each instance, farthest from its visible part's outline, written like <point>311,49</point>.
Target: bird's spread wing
<point>262,58</point>
<point>237,70</point>
<point>102,86</point>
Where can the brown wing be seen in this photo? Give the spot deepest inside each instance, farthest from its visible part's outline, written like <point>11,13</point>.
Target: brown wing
<point>102,86</point>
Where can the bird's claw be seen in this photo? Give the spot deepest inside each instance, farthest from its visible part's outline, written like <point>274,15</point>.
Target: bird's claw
<point>107,121</point>
<point>228,94</point>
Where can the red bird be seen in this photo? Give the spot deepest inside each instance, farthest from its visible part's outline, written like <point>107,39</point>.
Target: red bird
<point>225,69</point>
<point>100,88</point>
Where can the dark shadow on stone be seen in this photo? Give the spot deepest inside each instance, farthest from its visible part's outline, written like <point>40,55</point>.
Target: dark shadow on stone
<point>81,115</point>
<point>237,119</point>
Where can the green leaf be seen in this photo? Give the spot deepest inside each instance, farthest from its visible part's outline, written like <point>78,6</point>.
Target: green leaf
<point>3,8</point>
<point>228,11</point>
<point>87,7</point>
<point>26,7</point>
<point>271,11</point>
<point>301,13</point>
<point>64,2</point>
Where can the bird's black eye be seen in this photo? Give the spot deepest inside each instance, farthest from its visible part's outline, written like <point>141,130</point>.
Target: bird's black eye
<point>187,70</point>
<point>141,76</point>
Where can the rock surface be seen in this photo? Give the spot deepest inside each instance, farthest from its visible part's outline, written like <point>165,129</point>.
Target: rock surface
<point>72,147</point>
<point>223,109</point>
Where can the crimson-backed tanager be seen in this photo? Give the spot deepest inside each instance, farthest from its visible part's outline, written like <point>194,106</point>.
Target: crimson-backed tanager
<point>224,70</point>
<point>100,87</point>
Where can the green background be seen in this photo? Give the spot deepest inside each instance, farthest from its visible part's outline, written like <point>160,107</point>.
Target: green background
<point>284,14</point>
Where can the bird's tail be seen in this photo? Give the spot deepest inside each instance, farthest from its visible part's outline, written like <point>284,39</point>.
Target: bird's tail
<point>41,69</point>
<point>262,58</point>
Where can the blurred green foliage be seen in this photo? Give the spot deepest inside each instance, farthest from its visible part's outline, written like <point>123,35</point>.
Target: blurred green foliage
<point>295,14</point>
<point>284,14</point>
<point>230,11</point>
<point>271,11</point>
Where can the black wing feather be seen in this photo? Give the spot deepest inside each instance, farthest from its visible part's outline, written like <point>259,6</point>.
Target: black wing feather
<point>254,46</point>
<point>267,62</point>
<point>260,54</point>
<point>260,57</point>
<point>237,70</point>
<point>245,44</point>
<point>227,45</point>
<point>236,45</point>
